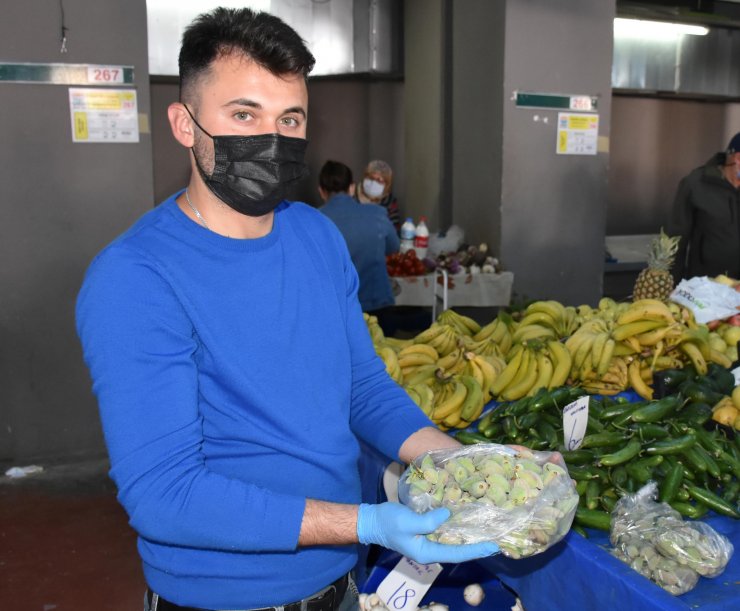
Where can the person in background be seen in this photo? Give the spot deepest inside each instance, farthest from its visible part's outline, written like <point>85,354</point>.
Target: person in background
<point>706,215</point>
<point>234,372</point>
<point>376,188</point>
<point>368,233</point>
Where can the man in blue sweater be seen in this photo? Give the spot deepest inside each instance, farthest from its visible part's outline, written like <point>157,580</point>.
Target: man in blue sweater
<point>369,234</point>
<point>231,361</point>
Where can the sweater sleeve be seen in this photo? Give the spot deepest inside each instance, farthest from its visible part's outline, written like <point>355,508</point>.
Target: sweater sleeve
<point>681,224</point>
<point>141,349</point>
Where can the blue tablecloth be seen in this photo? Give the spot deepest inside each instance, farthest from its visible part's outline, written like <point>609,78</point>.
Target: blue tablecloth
<point>579,574</point>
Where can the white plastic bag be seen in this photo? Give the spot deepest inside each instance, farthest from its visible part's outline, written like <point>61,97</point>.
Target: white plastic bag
<point>448,241</point>
<point>522,500</point>
<point>707,299</point>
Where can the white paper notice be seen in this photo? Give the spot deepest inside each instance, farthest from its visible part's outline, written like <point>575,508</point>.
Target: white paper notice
<point>575,419</point>
<point>103,115</point>
<point>406,584</point>
<point>578,133</point>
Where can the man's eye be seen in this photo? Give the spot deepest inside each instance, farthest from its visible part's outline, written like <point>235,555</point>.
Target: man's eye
<point>290,121</point>
<point>242,115</point>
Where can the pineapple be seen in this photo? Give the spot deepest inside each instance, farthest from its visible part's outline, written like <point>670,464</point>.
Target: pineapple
<point>656,281</point>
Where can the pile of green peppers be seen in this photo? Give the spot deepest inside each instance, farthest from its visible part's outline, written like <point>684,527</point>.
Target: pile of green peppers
<point>671,440</point>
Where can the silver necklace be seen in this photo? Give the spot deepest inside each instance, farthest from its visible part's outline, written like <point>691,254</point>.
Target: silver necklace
<point>195,211</point>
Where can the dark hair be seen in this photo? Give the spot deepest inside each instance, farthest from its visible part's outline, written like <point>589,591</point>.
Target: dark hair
<point>335,177</point>
<point>260,36</point>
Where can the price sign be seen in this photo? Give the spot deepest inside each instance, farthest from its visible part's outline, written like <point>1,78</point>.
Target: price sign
<point>104,75</point>
<point>575,419</point>
<point>582,102</point>
<point>407,583</point>
<point>736,373</point>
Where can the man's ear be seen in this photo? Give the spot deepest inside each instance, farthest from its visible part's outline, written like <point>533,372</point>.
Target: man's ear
<point>352,189</point>
<point>324,195</point>
<point>181,124</point>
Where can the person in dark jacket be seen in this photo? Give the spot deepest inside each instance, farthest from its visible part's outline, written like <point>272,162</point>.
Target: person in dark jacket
<point>706,214</point>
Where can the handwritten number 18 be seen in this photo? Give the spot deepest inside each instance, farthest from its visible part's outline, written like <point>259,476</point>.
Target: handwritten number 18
<point>400,600</point>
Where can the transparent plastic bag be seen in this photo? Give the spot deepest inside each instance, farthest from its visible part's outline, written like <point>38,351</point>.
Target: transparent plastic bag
<point>658,543</point>
<point>522,500</point>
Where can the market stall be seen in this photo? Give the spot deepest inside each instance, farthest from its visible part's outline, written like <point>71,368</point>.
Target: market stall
<point>659,396</point>
<point>464,290</point>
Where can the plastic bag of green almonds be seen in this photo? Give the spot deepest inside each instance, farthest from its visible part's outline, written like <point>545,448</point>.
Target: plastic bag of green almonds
<point>658,543</point>
<point>522,500</point>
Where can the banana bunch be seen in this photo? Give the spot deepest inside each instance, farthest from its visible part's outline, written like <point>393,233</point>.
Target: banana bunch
<point>458,401</point>
<point>464,325</point>
<point>612,382</point>
<point>533,365</point>
<point>413,356</point>
<point>591,348</point>
<point>546,319</point>
<point>376,333</point>
<point>486,347</point>
<point>390,359</point>
<point>443,338</point>
<point>495,332</point>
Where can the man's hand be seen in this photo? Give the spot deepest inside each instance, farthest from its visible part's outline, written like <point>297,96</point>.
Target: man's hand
<point>399,528</point>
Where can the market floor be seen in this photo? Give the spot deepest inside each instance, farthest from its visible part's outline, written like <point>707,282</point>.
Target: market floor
<point>65,544</point>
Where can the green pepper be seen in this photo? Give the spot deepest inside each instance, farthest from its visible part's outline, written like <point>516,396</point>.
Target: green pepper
<point>589,518</point>
<point>657,410</point>
<point>510,429</point>
<point>578,457</point>
<point>731,491</point>
<point>579,530</point>
<point>470,438</point>
<point>494,429</point>
<point>642,470</point>
<point>695,414</point>
<point>593,425</point>
<point>695,460</point>
<point>618,476</point>
<point>608,503</point>
<point>672,446</point>
<point>712,466</point>
<point>671,483</point>
<point>592,494</point>
<point>619,409</point>
<point>730,460</point>
<point>708,441</point>
<point>581,486</point>
<point>649,431</point>
<point>712,500</point>
<point>722,376</point>
<point>628,452</point>
<point>519,407</point>
<point>605,439</point>
<point>527,420</point>
<point>548,432</point>
<point>688,510</point>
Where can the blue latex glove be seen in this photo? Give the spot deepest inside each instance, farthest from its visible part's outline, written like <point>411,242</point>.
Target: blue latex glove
<point>401,529</point>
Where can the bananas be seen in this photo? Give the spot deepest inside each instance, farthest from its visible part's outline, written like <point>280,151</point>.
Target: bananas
<point>454,367</point>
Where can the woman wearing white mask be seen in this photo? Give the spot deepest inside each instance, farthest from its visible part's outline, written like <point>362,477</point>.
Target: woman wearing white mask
<point>375,188</point>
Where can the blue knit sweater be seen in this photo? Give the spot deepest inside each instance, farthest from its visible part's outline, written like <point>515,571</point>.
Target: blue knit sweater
<point>234,378</point>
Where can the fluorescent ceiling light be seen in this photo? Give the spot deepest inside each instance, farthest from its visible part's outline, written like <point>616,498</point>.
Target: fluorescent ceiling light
<point>655,30</point>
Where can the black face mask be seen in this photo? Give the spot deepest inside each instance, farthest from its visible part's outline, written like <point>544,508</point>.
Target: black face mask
<point>252,173</point>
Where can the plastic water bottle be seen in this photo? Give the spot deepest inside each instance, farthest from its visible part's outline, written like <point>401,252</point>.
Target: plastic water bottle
<point>421,238</point>
<point>408,232</point>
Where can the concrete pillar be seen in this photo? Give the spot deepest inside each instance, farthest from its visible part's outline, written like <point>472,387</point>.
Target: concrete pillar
<point>542,213</point>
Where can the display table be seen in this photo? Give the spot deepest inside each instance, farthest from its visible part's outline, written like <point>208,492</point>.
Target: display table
<point>473,290</point>
<point>580,574</point>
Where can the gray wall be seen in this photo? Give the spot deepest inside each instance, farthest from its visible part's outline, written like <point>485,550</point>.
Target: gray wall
<point>61,202</point>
